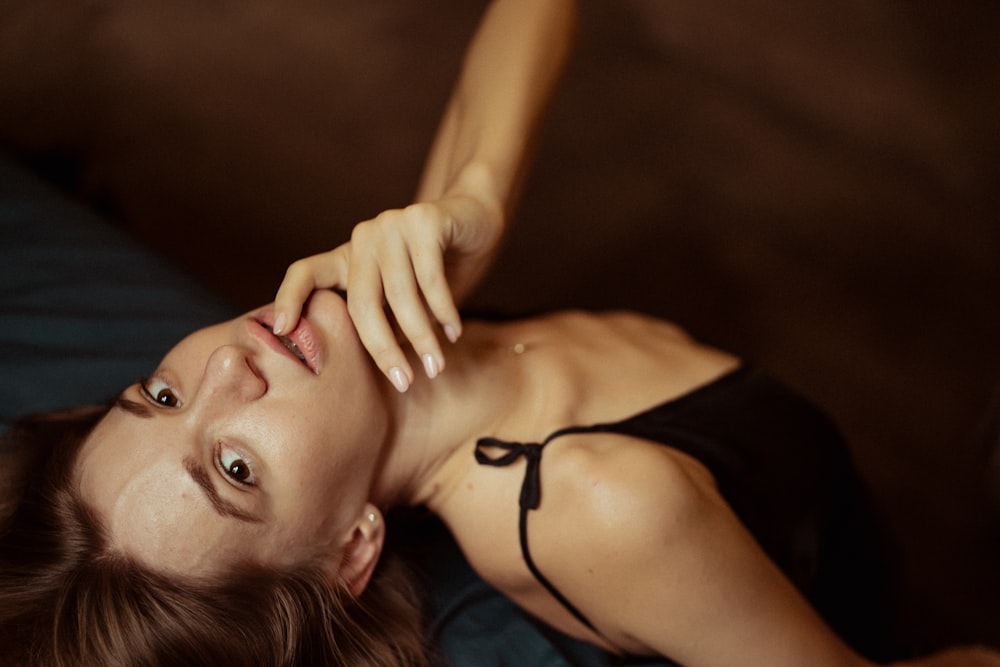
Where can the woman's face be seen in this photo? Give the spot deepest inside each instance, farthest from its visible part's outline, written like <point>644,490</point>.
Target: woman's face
<point>236,449</point>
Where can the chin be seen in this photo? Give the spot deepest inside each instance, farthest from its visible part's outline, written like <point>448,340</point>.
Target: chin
<point>326,311</point>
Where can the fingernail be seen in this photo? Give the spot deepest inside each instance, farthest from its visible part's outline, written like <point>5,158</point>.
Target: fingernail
<point>451,333</point>
<point>399,379</point>
<point>279,323</point>
<point>431,366</point>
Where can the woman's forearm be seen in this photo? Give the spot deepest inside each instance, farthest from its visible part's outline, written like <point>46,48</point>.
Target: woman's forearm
<point>484,143</point>
<point>423,260</point>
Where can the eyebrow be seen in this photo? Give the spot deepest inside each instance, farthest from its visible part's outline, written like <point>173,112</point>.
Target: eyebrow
<point>197,471</point>
<point>133,407</point>
<point>222,506</point>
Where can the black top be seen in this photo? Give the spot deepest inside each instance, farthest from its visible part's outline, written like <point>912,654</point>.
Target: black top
<point>779,463</point>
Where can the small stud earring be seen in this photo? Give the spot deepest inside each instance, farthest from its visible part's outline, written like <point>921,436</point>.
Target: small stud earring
<point>371,517</point>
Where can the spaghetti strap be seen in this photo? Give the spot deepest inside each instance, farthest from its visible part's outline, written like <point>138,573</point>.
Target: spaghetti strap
<point>781,467</point>
<point>531,497</point>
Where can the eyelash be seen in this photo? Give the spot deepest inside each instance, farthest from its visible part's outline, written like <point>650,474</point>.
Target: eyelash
<point>221,449</point>
<point>144,383</point>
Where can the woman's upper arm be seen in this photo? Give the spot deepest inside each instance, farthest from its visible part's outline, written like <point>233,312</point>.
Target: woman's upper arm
<point>667,568</point>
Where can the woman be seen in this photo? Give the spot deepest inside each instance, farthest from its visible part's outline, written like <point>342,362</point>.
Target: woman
<point>613,477</point>
<point>249,457</point>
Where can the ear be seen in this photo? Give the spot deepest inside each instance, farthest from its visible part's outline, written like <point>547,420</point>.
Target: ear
<point>362,550</point>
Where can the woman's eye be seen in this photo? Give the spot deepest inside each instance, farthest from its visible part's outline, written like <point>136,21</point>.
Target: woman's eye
<point>159,392</point>
<point>235,466</point>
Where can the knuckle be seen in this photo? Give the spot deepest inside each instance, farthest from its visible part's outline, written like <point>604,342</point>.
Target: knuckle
<point>379,349</point>
<point>416,209</point>
<point>395,292</point>
<point>363,231</point>
<point>430,278</point>
<point>297,270</point>
<point>359,309</point>
<point>424,215</point>
<point>424,341</point>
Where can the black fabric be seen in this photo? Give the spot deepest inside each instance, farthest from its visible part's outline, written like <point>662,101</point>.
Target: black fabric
<point>783,468</point>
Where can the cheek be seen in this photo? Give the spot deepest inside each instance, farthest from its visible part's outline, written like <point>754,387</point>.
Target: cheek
<point>296,456</point>
<point>316,485</point>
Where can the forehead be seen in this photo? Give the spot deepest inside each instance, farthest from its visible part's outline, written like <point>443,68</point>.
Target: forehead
<point>129,473</point>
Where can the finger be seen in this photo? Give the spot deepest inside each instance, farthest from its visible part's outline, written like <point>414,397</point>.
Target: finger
<point>428,267</point>
<point>408,308</point>
<point>301,279</point>
<point>298,283</point>
<point>365,305</point>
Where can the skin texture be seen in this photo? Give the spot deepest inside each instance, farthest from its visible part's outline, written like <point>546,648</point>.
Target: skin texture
<point>661,564</point>
<point>226,396</point>
<point>648,529</point>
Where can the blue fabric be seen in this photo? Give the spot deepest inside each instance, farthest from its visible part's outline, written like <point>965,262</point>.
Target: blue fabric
<point>474,625</point>
<point>84,309</point>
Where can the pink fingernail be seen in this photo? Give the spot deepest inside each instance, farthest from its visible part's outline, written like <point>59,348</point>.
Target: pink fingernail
<point>399,379</point>
<point>451,333</point>
<point>431,366</point>
<point>279,323</point>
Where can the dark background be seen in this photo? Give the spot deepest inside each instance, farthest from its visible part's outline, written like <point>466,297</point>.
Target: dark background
<point>811,185</point>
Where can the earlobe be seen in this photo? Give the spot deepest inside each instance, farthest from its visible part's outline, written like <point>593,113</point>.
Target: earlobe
<point>362,551</point>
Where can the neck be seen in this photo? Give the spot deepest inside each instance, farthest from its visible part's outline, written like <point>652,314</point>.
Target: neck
<point>427,447</point>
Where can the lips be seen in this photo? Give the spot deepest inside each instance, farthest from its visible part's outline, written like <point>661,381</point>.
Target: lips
<point>302,344</point>
<point>291,345</point>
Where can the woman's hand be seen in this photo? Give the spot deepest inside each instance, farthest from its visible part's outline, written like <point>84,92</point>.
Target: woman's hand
<point>423,259</point>
<point>419,261</point>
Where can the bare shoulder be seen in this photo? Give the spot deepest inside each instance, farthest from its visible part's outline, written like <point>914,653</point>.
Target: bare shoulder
<point>621,488</point>
<point>625,510</point>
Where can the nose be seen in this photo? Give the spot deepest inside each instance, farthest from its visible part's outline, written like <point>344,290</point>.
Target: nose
<point>230,373</point>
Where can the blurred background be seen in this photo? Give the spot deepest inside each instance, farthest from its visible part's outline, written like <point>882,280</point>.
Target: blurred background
<point>811,185</point>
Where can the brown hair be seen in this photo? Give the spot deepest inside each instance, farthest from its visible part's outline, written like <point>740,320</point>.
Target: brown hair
<point>67,599</point>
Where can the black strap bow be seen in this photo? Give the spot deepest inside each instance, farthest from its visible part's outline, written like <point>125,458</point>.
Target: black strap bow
<point>531,489</point>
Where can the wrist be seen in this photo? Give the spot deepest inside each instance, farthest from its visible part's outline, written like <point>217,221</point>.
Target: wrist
<point>480,179</point>
<point>477,180</point>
